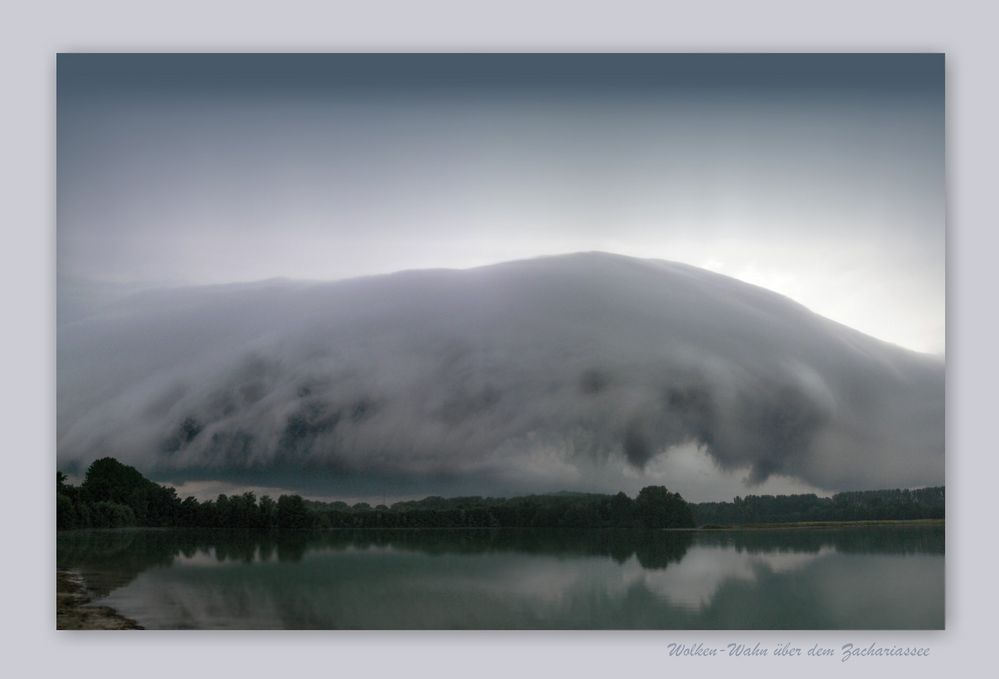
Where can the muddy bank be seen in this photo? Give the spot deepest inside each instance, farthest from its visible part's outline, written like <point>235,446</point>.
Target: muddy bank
<point>73,609</point>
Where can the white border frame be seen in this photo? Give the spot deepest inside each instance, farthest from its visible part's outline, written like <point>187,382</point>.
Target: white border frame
<point>33,32</point>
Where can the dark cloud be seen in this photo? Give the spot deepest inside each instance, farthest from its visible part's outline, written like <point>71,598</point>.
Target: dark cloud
<point>572,371</point>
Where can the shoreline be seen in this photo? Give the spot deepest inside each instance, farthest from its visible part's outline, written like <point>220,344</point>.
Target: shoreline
<point>860,523</point>
<point>75,612</point>
<point>865,523</point>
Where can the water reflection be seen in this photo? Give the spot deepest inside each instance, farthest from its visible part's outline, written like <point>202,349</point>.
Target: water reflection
<point>884,577</point>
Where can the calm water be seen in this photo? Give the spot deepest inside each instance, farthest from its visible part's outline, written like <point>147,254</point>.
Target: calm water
<point>854,578</point>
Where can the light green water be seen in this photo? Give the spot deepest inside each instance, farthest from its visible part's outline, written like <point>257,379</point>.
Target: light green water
<point>884,577</point>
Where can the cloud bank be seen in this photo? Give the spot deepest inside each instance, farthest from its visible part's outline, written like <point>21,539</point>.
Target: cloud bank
<point>576,371</point>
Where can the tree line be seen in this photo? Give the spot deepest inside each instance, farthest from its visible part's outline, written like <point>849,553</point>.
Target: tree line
<point>654,507</point>
<point>865,505</point>
<point>114,495</point>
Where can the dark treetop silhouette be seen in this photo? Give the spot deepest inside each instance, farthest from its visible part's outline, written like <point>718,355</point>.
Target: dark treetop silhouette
<point>114,495</point>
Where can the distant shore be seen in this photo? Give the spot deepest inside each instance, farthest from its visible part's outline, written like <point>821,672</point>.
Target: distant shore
<point>705,527</point>
<point>74,609</point>
<point>824,524</point>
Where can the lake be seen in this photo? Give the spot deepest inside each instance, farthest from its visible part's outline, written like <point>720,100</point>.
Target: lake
<point>878,577</point>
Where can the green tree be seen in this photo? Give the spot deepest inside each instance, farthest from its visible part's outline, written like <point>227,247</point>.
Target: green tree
<point>292,513</point>
<point>656,507</point>
<point>268,513</point>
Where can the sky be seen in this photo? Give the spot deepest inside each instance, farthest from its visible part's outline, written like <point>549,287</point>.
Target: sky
<point>212,208</point>
<point>820,177</point>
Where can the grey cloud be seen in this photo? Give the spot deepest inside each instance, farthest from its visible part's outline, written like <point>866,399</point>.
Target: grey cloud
<point>570,371</point>
<point>798,172</point>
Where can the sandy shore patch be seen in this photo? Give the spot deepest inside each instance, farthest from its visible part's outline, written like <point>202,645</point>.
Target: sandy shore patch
<point>74,609</point>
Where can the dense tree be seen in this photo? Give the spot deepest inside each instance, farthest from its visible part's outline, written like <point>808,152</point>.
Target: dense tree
<point>292,513</point>
<point>267,513</point>
<point>114,495</point>
<point>108,480</point>
<point>111,515</point>
<point>656,507</point>
<point>870,505</point>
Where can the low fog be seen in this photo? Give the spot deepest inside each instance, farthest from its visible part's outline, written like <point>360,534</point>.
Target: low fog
<point>574,372</point>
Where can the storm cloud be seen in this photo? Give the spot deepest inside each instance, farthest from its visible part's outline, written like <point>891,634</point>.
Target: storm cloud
<point>818,176</point>
<point>574,371</point>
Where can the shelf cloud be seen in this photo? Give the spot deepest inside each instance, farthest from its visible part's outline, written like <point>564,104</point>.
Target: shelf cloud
<point>576,371</point>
